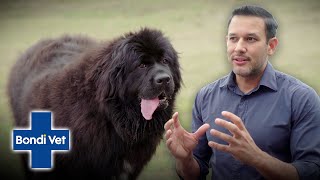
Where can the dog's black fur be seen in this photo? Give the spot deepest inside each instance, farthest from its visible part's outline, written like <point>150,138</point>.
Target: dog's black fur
<point>95,89</point>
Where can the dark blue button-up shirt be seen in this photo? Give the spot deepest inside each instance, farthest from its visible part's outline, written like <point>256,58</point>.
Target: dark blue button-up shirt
<point>282,115</point>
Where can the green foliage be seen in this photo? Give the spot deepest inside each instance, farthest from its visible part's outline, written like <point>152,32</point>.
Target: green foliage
<point>196,28</point>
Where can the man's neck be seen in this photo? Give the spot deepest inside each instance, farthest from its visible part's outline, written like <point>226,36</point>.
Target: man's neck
<point>247,84</point>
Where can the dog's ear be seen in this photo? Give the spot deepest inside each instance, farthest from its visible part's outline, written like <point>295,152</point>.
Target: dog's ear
<point>176,72</point>
<point>111,70</point>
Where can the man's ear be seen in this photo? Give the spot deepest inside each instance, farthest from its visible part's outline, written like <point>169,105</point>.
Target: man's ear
<point>272,45</point>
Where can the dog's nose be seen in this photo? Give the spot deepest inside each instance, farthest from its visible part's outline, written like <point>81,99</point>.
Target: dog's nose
<point>162,79</point>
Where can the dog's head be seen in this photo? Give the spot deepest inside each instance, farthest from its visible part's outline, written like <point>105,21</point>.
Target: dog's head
<point>141,68</point>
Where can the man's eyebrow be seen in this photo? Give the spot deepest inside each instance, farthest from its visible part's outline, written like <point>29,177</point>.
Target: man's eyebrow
<point>249,34</point>
<point>252,34</point>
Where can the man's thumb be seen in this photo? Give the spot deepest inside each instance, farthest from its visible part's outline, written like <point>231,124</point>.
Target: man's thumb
<point>201,130</point>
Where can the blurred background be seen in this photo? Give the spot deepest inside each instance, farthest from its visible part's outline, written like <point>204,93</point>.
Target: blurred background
<point>196,29</point>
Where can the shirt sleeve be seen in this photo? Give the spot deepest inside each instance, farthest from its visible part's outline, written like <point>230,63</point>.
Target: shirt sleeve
<point>305,141</point>
<point>202,152</point>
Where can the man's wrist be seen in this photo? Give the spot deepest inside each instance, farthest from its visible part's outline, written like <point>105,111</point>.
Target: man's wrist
<point>272,168</point>
<point>260,159</point>
<point>186,160</point>
<point>188,168</point>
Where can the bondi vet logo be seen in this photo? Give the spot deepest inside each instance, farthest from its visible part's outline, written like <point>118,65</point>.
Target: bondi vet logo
<point>41,140</point>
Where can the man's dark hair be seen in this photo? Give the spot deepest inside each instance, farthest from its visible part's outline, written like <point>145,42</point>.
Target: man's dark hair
<point>248,10</point>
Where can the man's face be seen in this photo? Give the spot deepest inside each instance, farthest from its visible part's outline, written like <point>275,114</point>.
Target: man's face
<point>247,48</point>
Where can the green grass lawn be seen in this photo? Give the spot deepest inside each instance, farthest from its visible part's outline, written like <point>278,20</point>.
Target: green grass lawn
<point>196,28</point>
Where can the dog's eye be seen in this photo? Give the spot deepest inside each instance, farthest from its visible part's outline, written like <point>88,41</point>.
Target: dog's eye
<point>142,65</point>
<point>165,61</point>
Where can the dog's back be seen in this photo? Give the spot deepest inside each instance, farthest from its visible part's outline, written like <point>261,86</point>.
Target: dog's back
<point>42,59</point>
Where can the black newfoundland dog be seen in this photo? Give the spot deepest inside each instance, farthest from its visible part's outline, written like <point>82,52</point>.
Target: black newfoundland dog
<point>114,96</point>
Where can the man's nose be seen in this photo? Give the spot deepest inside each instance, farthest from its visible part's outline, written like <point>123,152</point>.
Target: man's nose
<point>241,46</point>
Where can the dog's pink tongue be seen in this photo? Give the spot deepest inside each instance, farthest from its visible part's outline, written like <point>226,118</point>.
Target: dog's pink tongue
<point>148,107</point>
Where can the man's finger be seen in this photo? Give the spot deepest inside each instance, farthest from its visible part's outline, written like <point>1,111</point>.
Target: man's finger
<point>218,146</point>
<point>168,134</point>
<point>227,138</point>
<point>168,143</point>
<point>235,119</point>
<point>201,130</point>
<point>235,130</point>
<point>176,122</point>
<point>168,124</point>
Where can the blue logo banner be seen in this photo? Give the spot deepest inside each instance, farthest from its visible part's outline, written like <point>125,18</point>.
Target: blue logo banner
<point>41,140</point>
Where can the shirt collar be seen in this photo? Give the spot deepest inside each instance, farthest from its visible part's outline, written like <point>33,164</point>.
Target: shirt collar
<point>229,80</point>
<point>268,79</point>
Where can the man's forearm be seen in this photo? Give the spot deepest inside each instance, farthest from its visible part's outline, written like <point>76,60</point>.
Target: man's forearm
<point>272,168</point>
<point>188,169</point>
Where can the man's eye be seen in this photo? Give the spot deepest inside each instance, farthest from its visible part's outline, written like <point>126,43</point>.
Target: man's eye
<point>251,39</point>
<point>232,38</point>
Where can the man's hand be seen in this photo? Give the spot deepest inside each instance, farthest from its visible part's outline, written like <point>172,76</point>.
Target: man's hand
<point>180,142</point>
<point>242,147</point>
<point>241,144</point>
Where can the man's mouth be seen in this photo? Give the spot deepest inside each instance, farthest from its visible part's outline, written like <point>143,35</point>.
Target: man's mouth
<point>240,60</point>
<point>149,105</point>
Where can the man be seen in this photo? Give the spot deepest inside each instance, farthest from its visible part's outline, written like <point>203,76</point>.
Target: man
<point>263,124</point>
